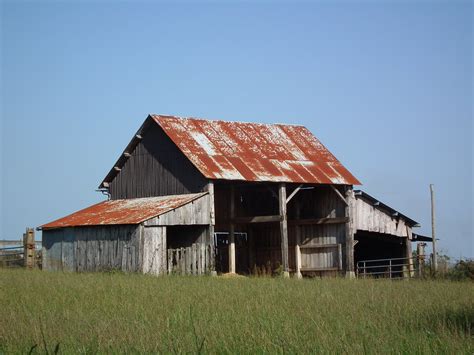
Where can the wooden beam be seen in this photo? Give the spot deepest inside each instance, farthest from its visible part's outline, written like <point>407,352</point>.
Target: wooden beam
<point>256,219</point>
<point>319,246</point>
<point>116,168</point>
<point>283,229</point>
<point>138,136</point>
<point>339,194</point>
<point>232,232</point>
<point>127,154</point>
<point>336,220</point>
<point>294,193</point>
<point>307,269</point>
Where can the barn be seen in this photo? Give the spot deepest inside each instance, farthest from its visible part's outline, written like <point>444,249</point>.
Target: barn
<point>195,196</point>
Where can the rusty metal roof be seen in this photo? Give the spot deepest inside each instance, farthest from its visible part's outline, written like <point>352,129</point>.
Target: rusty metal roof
<point>247,151</point>
<point>129,211</point>
<point>255,152</point>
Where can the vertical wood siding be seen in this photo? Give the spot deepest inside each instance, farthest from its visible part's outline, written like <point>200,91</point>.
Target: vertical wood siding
<point>154,250</point>
<point>156,168</point>
<point>93,248</point>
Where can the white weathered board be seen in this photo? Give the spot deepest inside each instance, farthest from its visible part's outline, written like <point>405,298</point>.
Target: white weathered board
<point>154,250</point>
<point>195,212</point>
<point>368,217</point>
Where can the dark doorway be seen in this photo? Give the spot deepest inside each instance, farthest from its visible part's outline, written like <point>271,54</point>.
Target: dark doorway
<point>241,252</point>
<point>378,246</point>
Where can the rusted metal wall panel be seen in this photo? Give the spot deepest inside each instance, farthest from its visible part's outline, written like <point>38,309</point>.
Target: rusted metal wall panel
<point>156,168</point>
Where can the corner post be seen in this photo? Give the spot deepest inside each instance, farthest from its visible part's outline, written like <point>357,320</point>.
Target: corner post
<point>232,231</point>
<point>283,228</point>
<point>349,233</point>
<point>408,252</point>
<point>29,248</point>
<point>298,274</point>
<point>212,215</point>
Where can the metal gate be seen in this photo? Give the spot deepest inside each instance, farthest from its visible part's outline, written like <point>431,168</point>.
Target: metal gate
<point>394,268</point>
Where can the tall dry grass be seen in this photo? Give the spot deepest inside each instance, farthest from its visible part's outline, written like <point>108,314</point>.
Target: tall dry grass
<point>109,312</point>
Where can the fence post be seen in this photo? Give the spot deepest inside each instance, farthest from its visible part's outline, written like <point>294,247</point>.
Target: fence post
<point>29,248</point>
<point>420,257</point>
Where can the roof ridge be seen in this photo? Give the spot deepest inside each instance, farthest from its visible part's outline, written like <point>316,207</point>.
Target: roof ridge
<point>227,121</point>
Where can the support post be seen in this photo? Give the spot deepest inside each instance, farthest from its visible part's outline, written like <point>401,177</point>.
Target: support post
<point>251,250</point>
<point>408,252</point>
<point>349,233</point>
<point>420,257</point>
<point>433,231</point>
<point>232,231</point>
<point>283,229</point>
<point>298,274</point>
<point>29,248</point>
<point>211,241</point>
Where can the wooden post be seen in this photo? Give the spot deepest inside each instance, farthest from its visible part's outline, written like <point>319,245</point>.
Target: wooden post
<point>433,234</point>
<point>349,234</point>
<point>251,250</point>
<point>283,229</point>
<point>408,252</point>
<point>298,242</point>
<point>232,231</point>
<point>29,248</point>
<point>210,189</point>
<point>420,257</point>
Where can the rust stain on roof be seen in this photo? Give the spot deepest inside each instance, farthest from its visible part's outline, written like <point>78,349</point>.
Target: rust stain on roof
<point>255,152</point>
<point>129,211</point>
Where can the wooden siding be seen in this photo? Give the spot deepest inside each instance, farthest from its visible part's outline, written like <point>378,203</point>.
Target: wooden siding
<point>129,248</point>
<point>93,248</point>
<point>154,250</point>
<point>156,167</point>
<point>193,260</point>
<point>195,212</point>
<point>368,217</point>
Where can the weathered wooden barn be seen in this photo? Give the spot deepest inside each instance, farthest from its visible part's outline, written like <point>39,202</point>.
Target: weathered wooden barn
<point>198,196</point>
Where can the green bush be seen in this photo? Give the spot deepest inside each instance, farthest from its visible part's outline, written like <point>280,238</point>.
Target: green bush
<point>463,270</point>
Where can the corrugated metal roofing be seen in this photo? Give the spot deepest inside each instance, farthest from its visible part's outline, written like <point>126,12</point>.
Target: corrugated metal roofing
<point>255,152</point>
<point>129,211</point>
<point>247,151</point>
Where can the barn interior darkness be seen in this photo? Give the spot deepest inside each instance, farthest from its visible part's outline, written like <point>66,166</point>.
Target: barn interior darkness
<point>258,245</point>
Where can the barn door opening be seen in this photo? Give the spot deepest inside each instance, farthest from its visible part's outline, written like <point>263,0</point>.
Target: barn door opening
<point>380,252</point>
<point>241,252</point>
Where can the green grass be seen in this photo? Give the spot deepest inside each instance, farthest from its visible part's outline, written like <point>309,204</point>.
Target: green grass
<point>112,312</point>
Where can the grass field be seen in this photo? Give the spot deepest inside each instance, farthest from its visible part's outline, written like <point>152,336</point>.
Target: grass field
<point>112,312</point>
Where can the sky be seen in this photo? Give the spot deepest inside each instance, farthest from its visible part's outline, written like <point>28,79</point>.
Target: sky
<point>386,86</point>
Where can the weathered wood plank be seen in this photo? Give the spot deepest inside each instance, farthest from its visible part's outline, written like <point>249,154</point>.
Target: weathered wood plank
<point>283,228</point>
<point>256,219</point>
<point>311,221</point>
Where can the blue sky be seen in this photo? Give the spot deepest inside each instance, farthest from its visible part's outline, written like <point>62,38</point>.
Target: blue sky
<point>386,86</point>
